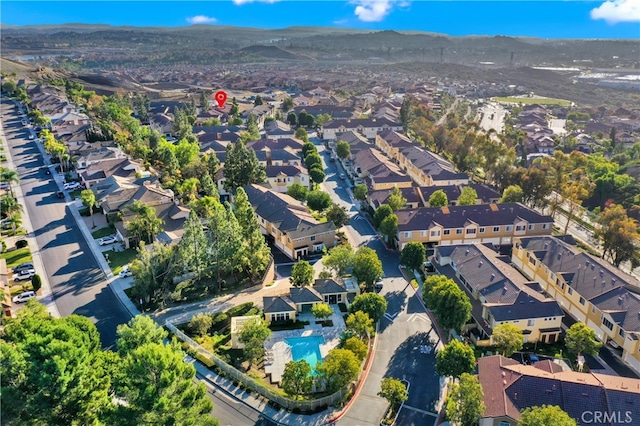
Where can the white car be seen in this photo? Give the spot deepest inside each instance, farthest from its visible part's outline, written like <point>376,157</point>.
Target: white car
<point>126,272</point>
<point>23,297</point>
<point>25,274</point>
<point>72,186</point>
<point>108,240</point>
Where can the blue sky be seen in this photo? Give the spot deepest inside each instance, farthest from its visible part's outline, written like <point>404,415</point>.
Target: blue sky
<point>547,19</point>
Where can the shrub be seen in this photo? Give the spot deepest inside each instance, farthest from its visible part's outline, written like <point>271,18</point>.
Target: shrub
<point>240,310</point>
<point>200,323</point>
<point>21,244</point>
<point>3,248</point>
<point>36,282</point>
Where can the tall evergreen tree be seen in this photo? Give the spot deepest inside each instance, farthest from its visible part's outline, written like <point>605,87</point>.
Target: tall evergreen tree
<point>192,249</point>
<point>241,167</point>
<point>256,251</point>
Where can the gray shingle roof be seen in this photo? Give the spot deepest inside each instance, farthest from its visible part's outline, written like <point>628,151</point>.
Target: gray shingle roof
<point>304,295</point>
<point>277,304</point>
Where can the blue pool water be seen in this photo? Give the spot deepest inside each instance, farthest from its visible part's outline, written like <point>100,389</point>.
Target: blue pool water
<point>307,348</point>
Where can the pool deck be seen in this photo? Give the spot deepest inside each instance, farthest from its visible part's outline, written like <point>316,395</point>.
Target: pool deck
<point>278,353</point>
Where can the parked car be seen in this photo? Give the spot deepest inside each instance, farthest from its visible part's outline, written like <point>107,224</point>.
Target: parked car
<point>72,186</point>
<point>5,185</point>
<point>126,272</point>
<point>25,274</point>
<point>60,194</point>
<point>22,267</point>
<point>341,175</point>
<point>46,170</point>
<point>428,267</point>
<point>23,297</point>
<point>378,285</point>
<point>108,240</point>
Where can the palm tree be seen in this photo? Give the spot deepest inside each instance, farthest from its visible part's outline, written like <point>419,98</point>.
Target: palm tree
<point>145,223</point>
<point>88,198</point>
<point>10,176</point>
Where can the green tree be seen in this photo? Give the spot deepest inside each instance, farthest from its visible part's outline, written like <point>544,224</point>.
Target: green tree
<point>456,358</point>
<point>321,311</point>
<point>316,174</point>
<point>252,127</point>
<point>450,305</point>
<point>318,200</point>
<point>225,241</point>
<point>301,134</point>
<point>381,213</point>
<point>297,379</point>
<point>396,200</point>
<point>507,338</point>
<point>256,253</point>
<point>468,196</point>
<point>208,186</point>
<point>313,159</point>
<point>302,273</point>
<point>159,388</point>
<point>52,370</point>
<point>394,391</point>
<point>36,282</point>
<point>308,148</point>
<point>545,415</point>
<point>338,369</point>
<point>360,324</point>
<point>204,100</point>
<point>360,192</point>
<point>465,404</point>
<point>338,215</point>
<point>618,233</point>
<point>234,107</point>
<point>512,194</point>
<point>580,338</point>
<point>343,149</point>
<point>438,199</point>
<point>413,255</point>
<point>145,224</point>
<point>88,198</point>
<point>253,334</point>
<point>258,100</point>
<point>389,228</point>
<point>321,119</point>
<point>367,267</point>
<point>139,331</point>
<point>298,191</point>
<point>287,104</point>
<point>339,258</point>
<point>357,346</point>
<point>200,323</point>
<point>372,304</point>
<point>241,167</point>
<point>153,271</point>
<point>292,118</point>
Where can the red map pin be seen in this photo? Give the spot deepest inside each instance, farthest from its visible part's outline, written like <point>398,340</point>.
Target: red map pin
<point>221,98</point>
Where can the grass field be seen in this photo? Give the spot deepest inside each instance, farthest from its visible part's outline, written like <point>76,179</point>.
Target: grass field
<point>16,257</point>
<point>103,232</point>
<point>527,101</point>
<point>117,259</point>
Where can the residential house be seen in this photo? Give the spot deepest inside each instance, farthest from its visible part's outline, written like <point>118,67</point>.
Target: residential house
<point>101,170</point>
<point>376,198</point>
<point>302,299</point>
<point>486,223</point>
<point>336,112</point>
<point>368,127</point>
<point>356,142</point>
<point>277,129</point>
<point>101,154</point>
<point>588,288</point>
<point>378,171</point>
<point>289,223</point>
<point>261,112</point>
<point>162,123</point>
<point>486,195</point>
<point>173,217</point>
<point>589,398</point>
<point>118,199</point>
<point>499,294</point>
<point>280,178</point>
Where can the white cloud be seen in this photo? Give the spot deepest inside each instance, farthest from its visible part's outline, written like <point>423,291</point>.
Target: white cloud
<point>372,10</point>
<point>614,11</point>
<point>241,2</point>
<point>201,19</point>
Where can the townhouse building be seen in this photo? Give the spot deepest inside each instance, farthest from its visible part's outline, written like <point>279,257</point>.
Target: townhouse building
<point>368,127</point>
<point>497,224</point>
<point>588,288</point>
<point>499,294</point>
<point>289,223</point>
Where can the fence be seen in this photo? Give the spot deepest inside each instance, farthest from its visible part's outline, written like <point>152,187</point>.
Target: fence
<point>254,384</point>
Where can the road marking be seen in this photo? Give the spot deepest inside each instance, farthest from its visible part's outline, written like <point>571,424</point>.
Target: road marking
<point>391,317</point>
<point>429,413</point>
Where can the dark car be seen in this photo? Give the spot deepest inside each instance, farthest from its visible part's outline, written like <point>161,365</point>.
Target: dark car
<point>46,170</point>
<point>60,194</point>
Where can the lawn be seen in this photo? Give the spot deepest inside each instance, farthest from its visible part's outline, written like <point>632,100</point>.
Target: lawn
<point>117,259</point>
<point>16,257</point>
<point>103,232</point>
<point>75,194</point>
<point>528,101</point>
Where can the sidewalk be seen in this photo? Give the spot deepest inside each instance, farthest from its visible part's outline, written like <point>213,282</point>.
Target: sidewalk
<point>47,294</point>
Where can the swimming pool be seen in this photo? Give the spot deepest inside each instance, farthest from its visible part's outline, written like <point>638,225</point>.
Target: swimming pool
<point>307,348</point>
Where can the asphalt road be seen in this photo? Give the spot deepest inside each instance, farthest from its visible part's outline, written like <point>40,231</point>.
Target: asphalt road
<point>401,332</point>
<point>78,285</point>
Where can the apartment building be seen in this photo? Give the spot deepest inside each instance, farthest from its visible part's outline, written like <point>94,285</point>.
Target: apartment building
<point>588,288</point>
<point>488,223</point>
